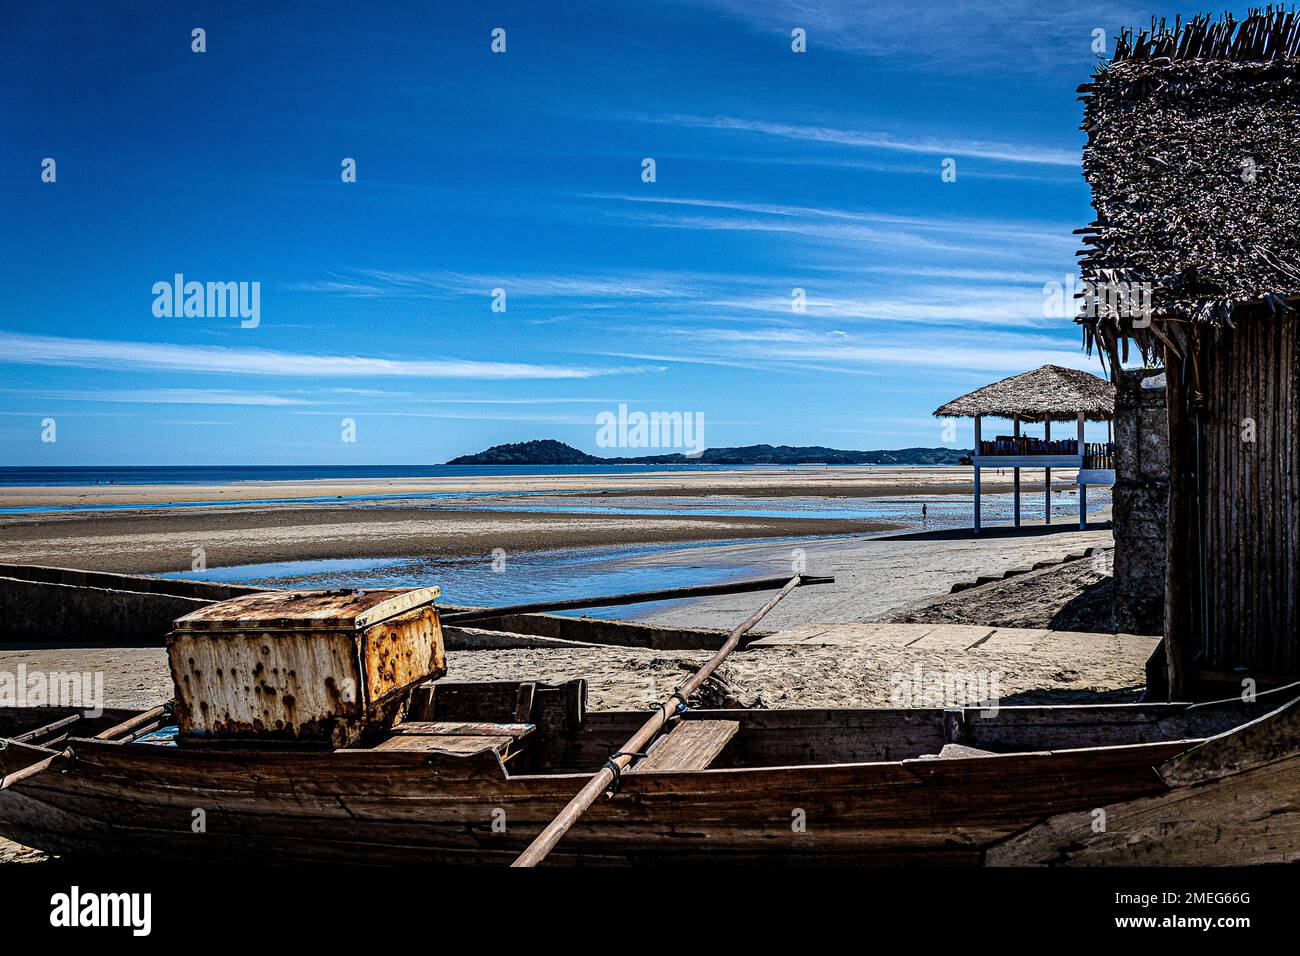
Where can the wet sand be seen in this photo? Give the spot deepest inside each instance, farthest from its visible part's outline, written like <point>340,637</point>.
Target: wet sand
<point>145,542</point>
<point>774,482</point>
<point>872,575</point>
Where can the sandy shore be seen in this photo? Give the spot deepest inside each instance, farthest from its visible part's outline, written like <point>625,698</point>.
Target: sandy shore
<point>809,666</point>
<point>873,575</point>
<point>143,542</point>
<point>798,481</point>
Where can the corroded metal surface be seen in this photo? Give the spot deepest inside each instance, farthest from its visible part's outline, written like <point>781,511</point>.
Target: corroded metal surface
<point>340,608</point>
<point>303,666</point>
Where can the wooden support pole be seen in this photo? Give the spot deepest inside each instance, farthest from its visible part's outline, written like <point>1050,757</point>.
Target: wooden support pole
<point>1015,478</point>
<point>1047,478</point>
<point>1083,489</point>
<point>136,722</point>
<point>977,475</point>
<point>1181,599</point>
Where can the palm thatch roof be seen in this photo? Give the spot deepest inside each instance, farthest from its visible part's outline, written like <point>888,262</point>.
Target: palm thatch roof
<point>1193,156</point>
<point>1050,393</point>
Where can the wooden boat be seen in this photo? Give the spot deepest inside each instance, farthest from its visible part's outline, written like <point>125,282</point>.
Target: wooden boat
<point>477,770</point>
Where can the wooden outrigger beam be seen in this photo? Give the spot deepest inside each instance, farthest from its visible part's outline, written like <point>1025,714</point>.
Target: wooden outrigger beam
<point>635,597</point>
<point>42,759</point>
<point>618,762</point>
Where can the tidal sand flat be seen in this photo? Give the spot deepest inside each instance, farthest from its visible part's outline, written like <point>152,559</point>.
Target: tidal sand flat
<point>774,482</point>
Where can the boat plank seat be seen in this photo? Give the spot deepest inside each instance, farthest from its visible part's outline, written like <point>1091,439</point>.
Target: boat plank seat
<point>691,745</point>
<point>457,737</point>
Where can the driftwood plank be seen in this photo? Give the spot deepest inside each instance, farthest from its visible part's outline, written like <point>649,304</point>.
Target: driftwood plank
<point>691,745</point>
<point>1246,818</point>
<point>1272,737</point>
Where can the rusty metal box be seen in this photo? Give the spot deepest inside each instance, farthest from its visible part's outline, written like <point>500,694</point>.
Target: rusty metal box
<point>318,666</point>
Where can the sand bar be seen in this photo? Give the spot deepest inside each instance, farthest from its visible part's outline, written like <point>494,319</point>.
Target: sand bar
<point>793,481</point>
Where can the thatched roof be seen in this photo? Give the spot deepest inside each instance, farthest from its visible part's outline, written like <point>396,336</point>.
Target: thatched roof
<point>1048,393</point>
<point>1193,156</point>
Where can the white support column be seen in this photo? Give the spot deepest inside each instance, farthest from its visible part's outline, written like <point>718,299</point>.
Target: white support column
<point>1083,489</point>
<point>1047,477</point>
<point>977,475</point>
<point>1015,478</point>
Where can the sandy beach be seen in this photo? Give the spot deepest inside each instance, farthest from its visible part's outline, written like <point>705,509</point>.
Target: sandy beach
<point>774,482</point>
<point>156,528</point>
<point>136,542</point>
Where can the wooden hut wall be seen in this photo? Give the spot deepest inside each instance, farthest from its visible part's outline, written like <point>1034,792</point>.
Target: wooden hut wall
<point>1250,508</point>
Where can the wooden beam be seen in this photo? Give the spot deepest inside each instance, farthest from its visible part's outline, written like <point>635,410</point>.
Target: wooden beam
<point>691,745</point>
<point>1274,736</point>
<point>1180,555</point>
<point>136,723</point>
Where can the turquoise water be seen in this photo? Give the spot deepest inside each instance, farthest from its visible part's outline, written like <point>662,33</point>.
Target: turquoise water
<point>517,579</point>
<point>431,496</point>
<point>222,474</point>
<point>563,574</point>
<point>942,511</point>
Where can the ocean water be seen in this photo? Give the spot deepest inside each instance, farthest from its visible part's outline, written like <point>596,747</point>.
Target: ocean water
<point>220,474</point>
<point>569,573</point>
<point>513,579</point>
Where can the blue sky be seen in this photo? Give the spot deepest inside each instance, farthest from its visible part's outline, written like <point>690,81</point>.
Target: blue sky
<point>523,171</point>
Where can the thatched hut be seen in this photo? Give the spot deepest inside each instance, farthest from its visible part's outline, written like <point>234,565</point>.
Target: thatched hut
<point>1193,156</point>
<point>1047,394</point>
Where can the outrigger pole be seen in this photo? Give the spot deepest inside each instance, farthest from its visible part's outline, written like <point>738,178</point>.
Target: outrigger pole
<point>618,762</point>
<point>635,597</point>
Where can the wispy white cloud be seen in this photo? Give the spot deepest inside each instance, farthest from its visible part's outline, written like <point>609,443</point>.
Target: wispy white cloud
<point>162,396</point>
<point>954,238</point>
<point>22,349</point>
<point>984,228</point>
<point>1020,36</point>
<point>840,352</point>
<point>623,284</point>
<point>934,146</point>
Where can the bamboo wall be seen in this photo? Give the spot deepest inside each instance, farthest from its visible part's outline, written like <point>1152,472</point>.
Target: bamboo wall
<point>1250,499</point>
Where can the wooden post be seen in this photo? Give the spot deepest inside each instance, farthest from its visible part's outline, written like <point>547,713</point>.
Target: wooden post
<point>1015,478</point>
<point>1181,598</point>
<point>1083,489</point>
<point>1047,477</point>
<point>977,475</point>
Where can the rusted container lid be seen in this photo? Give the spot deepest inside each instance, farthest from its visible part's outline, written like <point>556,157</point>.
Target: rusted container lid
<point>341,609</point>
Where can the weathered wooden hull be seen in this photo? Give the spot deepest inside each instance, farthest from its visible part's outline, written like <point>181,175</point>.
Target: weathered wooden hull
<point>390,807</point>
<point>385,808</point>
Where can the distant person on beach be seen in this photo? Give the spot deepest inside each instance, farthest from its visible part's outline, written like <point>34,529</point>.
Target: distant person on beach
<point>924,510</point>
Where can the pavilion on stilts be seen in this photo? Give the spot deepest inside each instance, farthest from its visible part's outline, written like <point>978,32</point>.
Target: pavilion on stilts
<point>1047,394</point>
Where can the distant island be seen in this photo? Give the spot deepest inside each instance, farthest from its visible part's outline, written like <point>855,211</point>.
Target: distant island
<point>551,452</point>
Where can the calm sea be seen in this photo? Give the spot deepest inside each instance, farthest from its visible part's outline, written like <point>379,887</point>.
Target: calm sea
<point>218,474</point>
